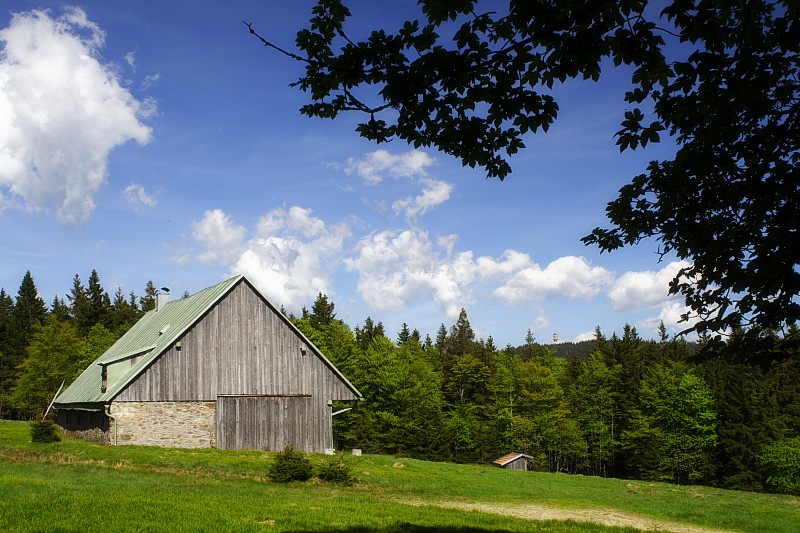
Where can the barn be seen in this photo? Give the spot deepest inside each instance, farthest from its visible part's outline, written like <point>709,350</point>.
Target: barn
<point>221,368</point>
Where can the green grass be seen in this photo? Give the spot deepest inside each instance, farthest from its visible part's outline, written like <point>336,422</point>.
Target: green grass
<point>79,486</point>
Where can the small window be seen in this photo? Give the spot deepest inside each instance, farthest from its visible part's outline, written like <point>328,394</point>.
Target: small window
<point>104,377</point>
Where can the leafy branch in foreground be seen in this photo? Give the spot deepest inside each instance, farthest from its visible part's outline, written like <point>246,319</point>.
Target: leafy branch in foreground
<point>721,78</point>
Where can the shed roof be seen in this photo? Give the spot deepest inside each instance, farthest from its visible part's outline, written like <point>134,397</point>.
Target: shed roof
<point>154,334</point>
<point>510,458</point>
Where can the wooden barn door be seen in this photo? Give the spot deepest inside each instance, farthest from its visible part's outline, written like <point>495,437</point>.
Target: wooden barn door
<point>264,422</point>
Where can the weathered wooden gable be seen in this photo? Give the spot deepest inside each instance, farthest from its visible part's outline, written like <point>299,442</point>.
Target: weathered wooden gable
<point>242,346</point>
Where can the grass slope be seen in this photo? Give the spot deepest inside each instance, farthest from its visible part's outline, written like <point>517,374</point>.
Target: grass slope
<point>79,486</point>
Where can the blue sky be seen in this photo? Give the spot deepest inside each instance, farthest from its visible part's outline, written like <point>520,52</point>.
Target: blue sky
<point>159,140</point>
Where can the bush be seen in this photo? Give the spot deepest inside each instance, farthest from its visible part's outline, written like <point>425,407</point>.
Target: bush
<point>335,471</point>
<point>44,431</point>
<point>291,465</point>
<point>781,464</point>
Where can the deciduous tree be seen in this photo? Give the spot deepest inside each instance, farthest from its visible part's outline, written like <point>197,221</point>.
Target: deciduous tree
<point>472,78</point>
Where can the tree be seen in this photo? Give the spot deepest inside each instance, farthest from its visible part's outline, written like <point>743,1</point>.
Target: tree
<point>28,312</point>
<point>322,311</point>
<point>720,79</point>
<point>596,411</point>
<point>673,429</point>
<point>123,313</point>
<point>148,301</point>
<point>52,357</point>
<point>98,303</point>
<point>7,368</point>
<point>404,335</point>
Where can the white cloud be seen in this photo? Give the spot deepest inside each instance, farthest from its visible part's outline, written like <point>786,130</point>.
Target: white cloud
<point>571,277</point>
<point>636,291</point>
<point>374,166</point>
<point>150,80</point>
<point>288,256</point>
<point>221,237</point>
<point>130,59</point>
<point>135,194</point>
<point>670,314</point>
<point>61,113</point>
<point>585,336</point>
<point>397,268</point>
<point>181,259</point>
<point>434,193</point>
<point>513,261</point>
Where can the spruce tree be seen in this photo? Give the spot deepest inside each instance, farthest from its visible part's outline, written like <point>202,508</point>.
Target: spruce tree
<point>322,312</point>
<point>404,335</point>
<point>77,301</point>
<point>29,311</point>
<point>98,303</point>
<point>148,301</point>
<point>6,352</point>
<point>60,310</point>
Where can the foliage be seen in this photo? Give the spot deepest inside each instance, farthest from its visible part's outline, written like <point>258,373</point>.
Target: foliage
<point>290,465</point>
<point>335,470</point>
<point>781,462</point>
<point>631,408</point>
<point>472,78</point>
<point>53,357</point>
<point>674,427</point>
<point>44,431</point>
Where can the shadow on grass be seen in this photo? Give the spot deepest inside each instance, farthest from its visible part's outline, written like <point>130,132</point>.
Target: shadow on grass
<point>412,528</point>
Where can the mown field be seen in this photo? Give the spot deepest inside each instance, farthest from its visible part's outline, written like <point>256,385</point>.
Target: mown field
<point>78,486</point>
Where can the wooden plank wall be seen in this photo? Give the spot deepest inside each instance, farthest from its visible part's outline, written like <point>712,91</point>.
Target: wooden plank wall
<point>240,348</point>
<point>270,423</point>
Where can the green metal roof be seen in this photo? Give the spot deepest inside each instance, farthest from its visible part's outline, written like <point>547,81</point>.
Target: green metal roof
<point>151,336</point>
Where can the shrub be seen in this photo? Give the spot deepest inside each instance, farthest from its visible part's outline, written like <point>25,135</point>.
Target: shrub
<point>44,431</point>
<point>335,471</point>
<point>781,464</point>
<point>291,465</point>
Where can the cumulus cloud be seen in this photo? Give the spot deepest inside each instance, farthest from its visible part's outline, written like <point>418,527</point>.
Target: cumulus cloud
<point>398,267</point>
<point>62,111</point>
<point>288,256</point>
<point>374,166</point>
<point>571,277</point>
<point>136,195</point>
<point>223,240</point>
<point>670,314</point>
<point>585,336</point>
<point>636,291</point>
<point>434,193</point>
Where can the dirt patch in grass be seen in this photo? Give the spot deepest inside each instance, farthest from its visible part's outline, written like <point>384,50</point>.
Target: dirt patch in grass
<point>606,517</point>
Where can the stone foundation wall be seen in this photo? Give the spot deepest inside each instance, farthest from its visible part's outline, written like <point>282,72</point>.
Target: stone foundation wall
<point>167,424</point>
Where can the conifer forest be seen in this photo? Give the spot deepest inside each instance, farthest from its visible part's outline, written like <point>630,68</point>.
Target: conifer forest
<point>617,406</point>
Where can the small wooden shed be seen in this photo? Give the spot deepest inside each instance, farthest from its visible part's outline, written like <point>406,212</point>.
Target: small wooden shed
<point>222,368</point>
<point>513,461</point>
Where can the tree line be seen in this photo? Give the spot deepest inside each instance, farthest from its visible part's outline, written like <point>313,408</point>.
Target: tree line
<point>42,346</point>
<point>632,408</point>
<point>622,406</point>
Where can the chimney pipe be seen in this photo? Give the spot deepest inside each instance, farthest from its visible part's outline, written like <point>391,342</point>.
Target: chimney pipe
<point>162,298</point>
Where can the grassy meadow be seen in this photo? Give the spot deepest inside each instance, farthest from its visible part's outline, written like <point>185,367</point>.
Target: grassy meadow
<point>79,486</point>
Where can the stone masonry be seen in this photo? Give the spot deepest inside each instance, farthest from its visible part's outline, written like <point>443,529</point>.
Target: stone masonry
<point>167,424</point>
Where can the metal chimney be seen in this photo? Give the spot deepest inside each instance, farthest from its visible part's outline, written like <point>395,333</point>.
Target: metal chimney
<point>162,297</point>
